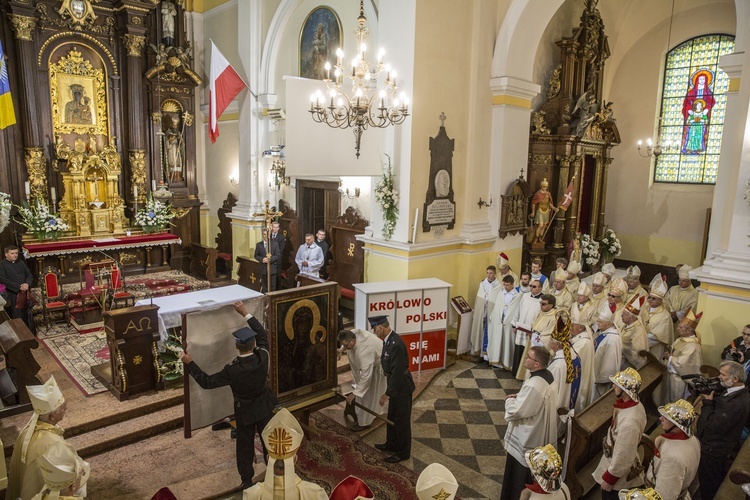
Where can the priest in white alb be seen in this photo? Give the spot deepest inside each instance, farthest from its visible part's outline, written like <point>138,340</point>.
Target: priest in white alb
<point>363,349</point>
<point>484,303</point>
<point>583,344</point>
<point>502,341</point>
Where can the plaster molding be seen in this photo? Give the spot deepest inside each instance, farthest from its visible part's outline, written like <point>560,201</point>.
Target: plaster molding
<point>514,87</point>
<point>726,268</point>
<point>732,64</point>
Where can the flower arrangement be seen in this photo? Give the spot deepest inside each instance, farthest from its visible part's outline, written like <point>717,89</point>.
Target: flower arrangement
<point>590,250</point>
<point>154,216</point>
<point>5,206</point>
<point>171,367</point>
<point>609,245</point>
<point>39,221</point>
<point>387,199</point>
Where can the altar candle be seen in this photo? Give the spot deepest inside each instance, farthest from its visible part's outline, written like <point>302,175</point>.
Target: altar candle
<point>135,192</point>
<point>27,188</point>
<point>53,194</point>
<point>153,185</point>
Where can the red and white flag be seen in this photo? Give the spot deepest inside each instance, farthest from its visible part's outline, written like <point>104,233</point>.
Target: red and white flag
<point>224,87</point>
<point>567,197</point>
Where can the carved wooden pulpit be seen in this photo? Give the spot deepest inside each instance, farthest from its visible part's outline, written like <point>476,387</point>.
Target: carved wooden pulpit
<point>133,365</point>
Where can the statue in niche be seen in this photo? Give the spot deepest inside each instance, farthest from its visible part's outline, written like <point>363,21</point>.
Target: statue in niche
<point>168,15</point>
<point>78,109</point>
<point>174,149</point>
<point>542,205</point>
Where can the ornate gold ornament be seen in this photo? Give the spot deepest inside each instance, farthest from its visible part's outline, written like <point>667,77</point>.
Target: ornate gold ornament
<point>36,166</point>
<point>134,44</point>
<point>78,11</point>
<point>79,96</point>
<point>137,160</point>
<point>23,26</point>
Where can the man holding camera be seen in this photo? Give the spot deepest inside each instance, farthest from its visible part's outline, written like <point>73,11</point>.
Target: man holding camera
<point>720,425</point>
<point>737,350</point>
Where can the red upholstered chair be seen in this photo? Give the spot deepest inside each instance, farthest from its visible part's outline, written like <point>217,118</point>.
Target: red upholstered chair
<point>53,300</point>
<point>120,295</point>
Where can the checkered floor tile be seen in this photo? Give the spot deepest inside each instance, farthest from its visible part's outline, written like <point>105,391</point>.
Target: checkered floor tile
<point>463,421</point>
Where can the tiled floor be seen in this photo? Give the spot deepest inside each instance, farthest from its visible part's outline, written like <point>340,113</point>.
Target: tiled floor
<point>458,421</point>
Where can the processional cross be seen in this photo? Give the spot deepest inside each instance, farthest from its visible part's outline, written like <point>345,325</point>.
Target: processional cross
<point>268,216</point>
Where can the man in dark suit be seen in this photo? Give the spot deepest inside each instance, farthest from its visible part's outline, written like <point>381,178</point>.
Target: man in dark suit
<point>320,240</point>
<point>398,393</point>
<point>247,376</point>
<point>262,255</point>
<point>17,278</point>
<point>720,426</point>
<point>277,236</point>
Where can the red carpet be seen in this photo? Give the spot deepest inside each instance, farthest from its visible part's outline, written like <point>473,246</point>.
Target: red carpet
<point>337,453</point>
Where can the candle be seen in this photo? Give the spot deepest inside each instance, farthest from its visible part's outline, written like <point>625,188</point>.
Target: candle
<point>53,195</point>
<point>153,185</point>
<point>414,229</point>
<point>135,192</point>
<point>27,188</point>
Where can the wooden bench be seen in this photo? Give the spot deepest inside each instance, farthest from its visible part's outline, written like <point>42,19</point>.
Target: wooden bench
<point>590,426</point>
<point>248,273</point>
<point>203,261</point>
<point>739,474</point>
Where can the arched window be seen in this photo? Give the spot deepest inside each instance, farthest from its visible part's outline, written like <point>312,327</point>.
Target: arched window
<point>693,104</point>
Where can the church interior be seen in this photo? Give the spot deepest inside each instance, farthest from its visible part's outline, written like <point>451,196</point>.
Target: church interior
<point>523,127</point>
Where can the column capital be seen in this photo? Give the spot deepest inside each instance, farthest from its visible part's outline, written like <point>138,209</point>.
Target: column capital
<point>23,26</point>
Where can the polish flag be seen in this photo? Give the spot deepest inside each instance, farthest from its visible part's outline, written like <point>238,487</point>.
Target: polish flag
<point>567,197</point>
<point>224,87</point>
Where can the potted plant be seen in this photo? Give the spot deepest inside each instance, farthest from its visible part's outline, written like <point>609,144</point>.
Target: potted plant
<point>153,217</point>
<point>40,222</point>
<point>609,246</point>
<point>387,198</point>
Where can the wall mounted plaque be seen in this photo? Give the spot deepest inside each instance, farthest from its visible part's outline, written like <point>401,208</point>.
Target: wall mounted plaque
<point>439,207</point>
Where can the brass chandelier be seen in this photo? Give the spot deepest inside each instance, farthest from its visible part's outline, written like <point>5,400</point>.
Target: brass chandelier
<point>366,105</point>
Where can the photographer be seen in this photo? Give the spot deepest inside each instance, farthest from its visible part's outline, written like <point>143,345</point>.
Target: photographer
<point>720,425</point>
<point>738,348</point>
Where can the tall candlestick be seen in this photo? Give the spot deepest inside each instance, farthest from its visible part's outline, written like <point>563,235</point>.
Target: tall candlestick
<point>53,194</point>
<point>27,188</point>
<point>135,192</point>
<point>153,185</point>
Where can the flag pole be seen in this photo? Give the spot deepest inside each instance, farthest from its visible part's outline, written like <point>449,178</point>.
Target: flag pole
<point>238,76</point>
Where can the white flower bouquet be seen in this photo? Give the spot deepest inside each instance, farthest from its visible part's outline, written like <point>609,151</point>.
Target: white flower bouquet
<point>155,216</point>
<point>590,250</point>
<point>5,206</point>
<point>609,245</point>
<point>387,198</point>
<point>39,221</point>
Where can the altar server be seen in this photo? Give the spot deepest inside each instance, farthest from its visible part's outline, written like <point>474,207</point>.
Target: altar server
<point>501,342</point>
<point>309,257</point>
<point>363,350</point>
<point>484,303</point>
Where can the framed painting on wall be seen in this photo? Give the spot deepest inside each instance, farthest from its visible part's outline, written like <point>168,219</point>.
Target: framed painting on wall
<point>318,41</point>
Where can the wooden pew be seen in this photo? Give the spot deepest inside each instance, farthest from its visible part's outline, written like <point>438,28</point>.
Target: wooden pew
<point>739,474</point>
<point>20,368</point>
<point>590,426</point>
<point>203,261</point>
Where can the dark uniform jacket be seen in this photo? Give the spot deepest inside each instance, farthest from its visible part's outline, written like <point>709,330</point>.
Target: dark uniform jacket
<point>247,376</point>
<point>395,363</point>
<point>721,422</point>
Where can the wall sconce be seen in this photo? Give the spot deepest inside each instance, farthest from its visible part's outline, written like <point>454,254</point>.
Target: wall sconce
<point>351,194</point>
<point>483,203</point>
<point>234,180</point>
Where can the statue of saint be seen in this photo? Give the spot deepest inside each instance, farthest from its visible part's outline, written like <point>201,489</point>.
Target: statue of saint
<point>174,149</point>
<point>78,109</point>
<point>320,52</point>
<point>168,14</point>
<point>541,207</point>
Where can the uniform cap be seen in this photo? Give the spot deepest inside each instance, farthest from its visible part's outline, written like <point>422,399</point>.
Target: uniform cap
<point>436,481</point>
<point>680,413</point>
<point>351,488</point>
<point>244,335</point>
<point>377,320</point>
<point>546,467</point>
<point>629,380</point>
<point>640,494</point>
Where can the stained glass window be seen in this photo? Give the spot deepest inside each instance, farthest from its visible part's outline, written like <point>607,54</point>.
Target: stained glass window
<point>693,104</point>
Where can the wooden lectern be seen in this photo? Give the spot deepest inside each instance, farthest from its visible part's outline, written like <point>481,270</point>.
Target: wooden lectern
<point>133,365</point>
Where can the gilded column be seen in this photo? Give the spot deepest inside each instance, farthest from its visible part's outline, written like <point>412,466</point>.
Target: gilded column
<point>36,166</point>
<point>24,27</point>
